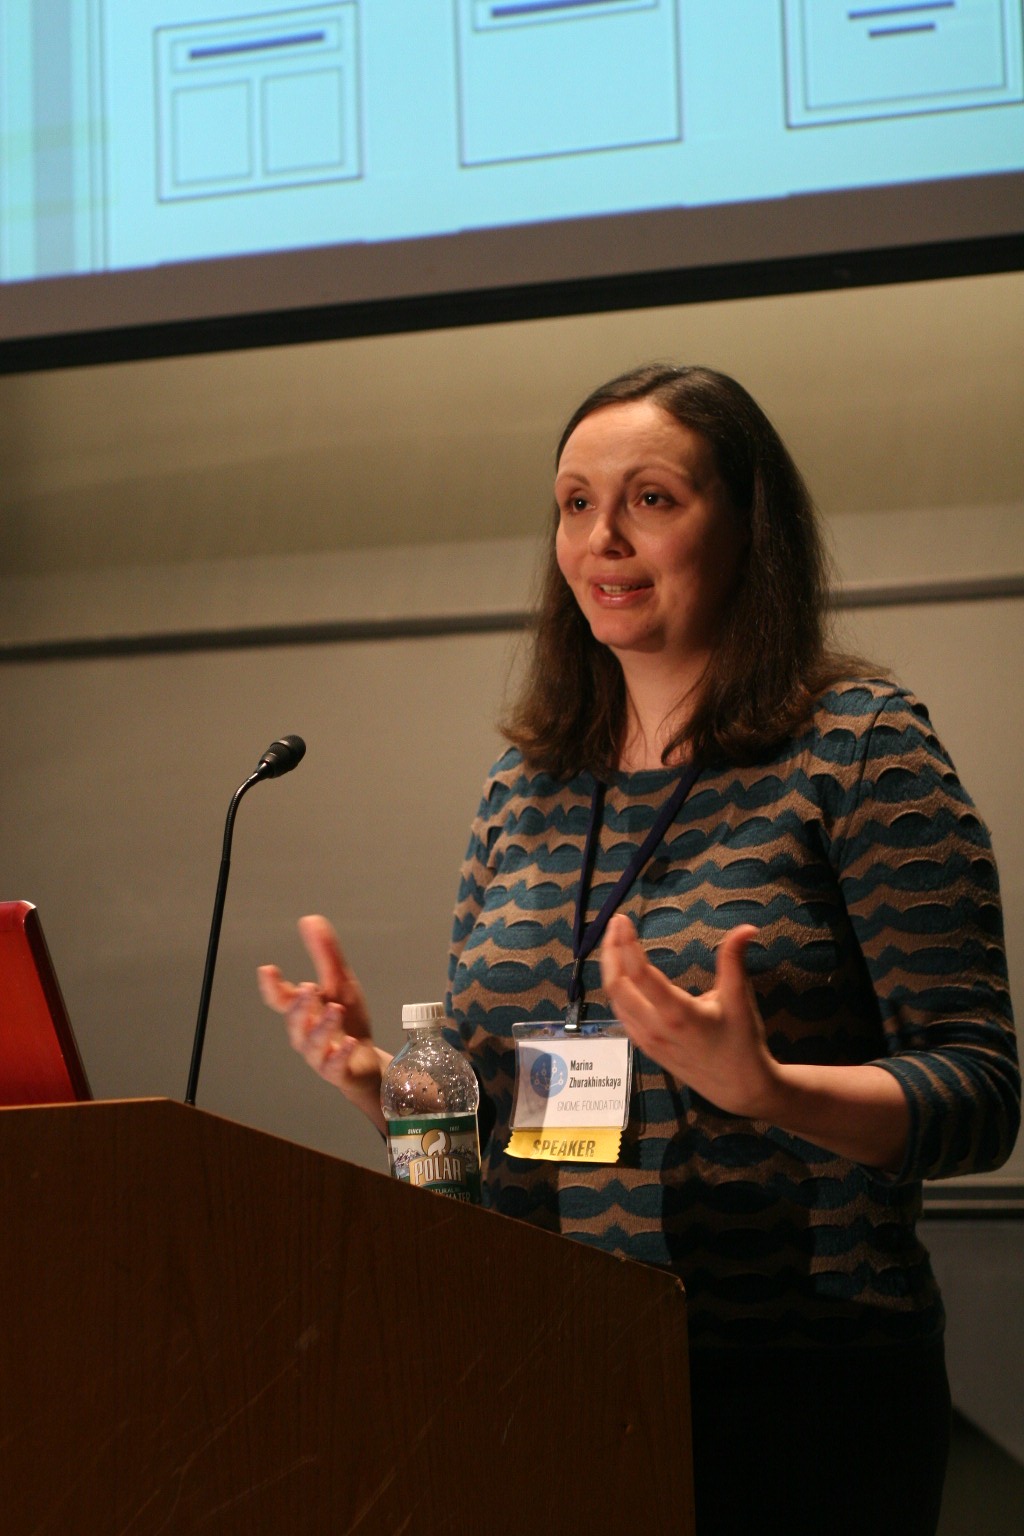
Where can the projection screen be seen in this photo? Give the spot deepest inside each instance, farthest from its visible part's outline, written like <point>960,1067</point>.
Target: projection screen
<point>168,162</point>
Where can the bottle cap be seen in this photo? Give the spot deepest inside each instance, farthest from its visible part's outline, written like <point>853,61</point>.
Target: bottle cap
<point>419,1015</point>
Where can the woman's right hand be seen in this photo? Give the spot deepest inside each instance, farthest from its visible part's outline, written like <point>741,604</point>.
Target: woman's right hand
<point>327,1020</point>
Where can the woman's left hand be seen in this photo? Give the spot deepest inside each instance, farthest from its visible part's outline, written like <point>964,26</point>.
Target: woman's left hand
<point>714,1043</point>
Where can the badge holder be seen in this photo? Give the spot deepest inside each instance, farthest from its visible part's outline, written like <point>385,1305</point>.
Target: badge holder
<point>572,1086</point>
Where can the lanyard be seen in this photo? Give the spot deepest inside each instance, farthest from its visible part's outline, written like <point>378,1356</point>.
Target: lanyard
<point>584,940</point>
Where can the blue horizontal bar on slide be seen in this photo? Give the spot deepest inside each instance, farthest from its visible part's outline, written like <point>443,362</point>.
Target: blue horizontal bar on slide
<point>257,45</point>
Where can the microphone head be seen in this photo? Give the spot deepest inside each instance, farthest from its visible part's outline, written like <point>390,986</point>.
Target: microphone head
<point>281,757</point>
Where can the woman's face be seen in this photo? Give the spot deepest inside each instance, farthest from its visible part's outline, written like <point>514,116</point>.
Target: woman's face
<point>646,537</point>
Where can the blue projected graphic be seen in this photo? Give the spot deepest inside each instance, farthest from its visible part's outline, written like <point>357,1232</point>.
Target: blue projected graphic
<point>267,104</point>
<point>518,71</point>
<point>881,60</point>
<point>146,132</point>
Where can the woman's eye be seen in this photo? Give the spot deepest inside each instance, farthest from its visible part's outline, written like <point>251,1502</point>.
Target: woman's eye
<point>653,499</point>
<point>576,504</point>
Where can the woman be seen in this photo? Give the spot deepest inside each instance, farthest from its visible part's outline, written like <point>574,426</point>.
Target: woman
<point>809,962</point>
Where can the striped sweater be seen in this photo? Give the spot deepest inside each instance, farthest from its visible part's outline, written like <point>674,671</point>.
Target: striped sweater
<point>861,860</point>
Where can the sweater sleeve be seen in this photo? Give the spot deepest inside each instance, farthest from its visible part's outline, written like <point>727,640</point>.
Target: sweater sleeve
<point>919,880</point>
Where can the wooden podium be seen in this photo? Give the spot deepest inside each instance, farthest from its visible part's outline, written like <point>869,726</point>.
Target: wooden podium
<point>207,1330</point>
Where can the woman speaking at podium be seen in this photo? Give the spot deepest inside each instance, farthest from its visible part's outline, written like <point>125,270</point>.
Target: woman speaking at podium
<point>716,830</point>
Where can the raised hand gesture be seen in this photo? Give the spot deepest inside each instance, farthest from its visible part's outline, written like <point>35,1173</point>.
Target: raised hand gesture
<point>327,1019</point>
<point>714,1043</point>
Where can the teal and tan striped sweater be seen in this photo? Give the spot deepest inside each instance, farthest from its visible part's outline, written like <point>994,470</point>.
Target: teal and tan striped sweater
<point>860,858</point>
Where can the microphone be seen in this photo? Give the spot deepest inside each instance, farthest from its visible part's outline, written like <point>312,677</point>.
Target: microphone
<point>280,757</point>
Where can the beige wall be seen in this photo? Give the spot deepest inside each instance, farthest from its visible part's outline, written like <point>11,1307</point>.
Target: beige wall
<point>892,399</point>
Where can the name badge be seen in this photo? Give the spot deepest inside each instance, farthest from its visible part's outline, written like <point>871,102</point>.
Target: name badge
<point>571,1100</point>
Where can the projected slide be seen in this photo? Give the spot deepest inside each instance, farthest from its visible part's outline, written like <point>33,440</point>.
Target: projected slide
<point>144,132</point>
<point>256,105</point>
<point>888,59</point>
<point>519,61</point>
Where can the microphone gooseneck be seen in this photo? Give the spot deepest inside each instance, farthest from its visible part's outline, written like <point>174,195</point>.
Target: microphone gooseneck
<point>280,757</point>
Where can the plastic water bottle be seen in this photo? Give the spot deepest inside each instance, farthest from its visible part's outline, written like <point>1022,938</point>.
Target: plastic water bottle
<point>429,1095</point>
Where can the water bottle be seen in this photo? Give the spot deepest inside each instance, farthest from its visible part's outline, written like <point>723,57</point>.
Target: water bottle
<point>429,1095</point>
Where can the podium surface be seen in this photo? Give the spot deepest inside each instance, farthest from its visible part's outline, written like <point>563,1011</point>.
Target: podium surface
<point>209,1330</point>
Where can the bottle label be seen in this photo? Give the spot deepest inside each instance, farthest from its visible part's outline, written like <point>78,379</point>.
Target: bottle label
<point>438,1152</point>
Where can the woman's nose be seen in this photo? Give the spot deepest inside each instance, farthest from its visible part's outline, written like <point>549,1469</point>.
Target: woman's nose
<point>606,533</point>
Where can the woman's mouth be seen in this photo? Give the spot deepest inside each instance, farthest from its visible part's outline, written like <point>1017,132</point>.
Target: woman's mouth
<point>613,590</point>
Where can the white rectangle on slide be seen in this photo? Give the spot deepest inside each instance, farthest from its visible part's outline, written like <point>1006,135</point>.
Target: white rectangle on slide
<point>884,58</point>
<point>560,77</point>
<point>263,102</point>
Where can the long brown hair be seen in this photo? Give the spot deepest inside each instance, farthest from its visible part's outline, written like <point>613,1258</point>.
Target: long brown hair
<point>771,658</point>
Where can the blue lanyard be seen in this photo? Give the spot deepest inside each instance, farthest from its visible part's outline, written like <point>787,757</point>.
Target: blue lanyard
<point>584,939</point>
